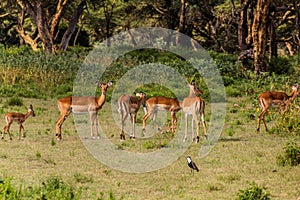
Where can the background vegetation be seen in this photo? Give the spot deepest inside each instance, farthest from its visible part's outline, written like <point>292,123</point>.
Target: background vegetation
<point>44,43</point>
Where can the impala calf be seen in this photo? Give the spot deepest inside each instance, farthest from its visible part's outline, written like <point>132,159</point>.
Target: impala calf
<point>81,104</point>
<point>268,99</point>
<point>19,118</point>
<point>130,105</point>
<point>155,104</point>
<point>194,105</point>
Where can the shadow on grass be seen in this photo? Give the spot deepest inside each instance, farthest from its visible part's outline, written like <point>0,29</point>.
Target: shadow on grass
<point>231,139</point>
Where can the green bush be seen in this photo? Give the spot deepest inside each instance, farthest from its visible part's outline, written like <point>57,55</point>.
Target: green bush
<point>26,73</point>
<point>290,156</point>
<point>254,192</point>
<point>281,65</point>
<point>289,121</point>
<point>14,101</point>
<point>232,91</point>
<point>52,189</point>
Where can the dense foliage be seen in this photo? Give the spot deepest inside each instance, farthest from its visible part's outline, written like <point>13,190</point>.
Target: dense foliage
<point>25,73</point>
<point>290,156</point>
<point>52,188</point>
<point>254,192</point>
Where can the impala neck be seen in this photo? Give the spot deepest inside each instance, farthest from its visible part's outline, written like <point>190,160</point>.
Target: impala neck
<point>293,95</point>
<point>101,99</point>
<point>27,115</point>
<point>192,94</point>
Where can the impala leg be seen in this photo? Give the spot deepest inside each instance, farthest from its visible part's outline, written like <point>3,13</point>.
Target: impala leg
<point>186,127</point>
<point>97,125</point>
<point>123,118</point>
<point>59,122</point>
<point>6,129</point>
<point>21,132</point>
<point>154,115</point>
<point>145,118</point>
<point>204,124</point>
<point>133,125</point>
<point>261,117</point>
<point>94,124</point>
<point>155,124</point>
<point>265,124</point>
<point>3,132</point>
<point>195,119</point>
<point>174,120</point>
<point>123,123</point>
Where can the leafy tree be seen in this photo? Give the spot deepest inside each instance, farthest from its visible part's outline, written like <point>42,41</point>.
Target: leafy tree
<point>39,20</point>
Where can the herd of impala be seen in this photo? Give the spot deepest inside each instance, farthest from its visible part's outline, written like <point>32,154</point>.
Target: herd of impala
<point>129,105</point>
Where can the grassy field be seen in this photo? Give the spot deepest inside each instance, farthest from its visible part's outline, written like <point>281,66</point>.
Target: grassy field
<point>241,157</point>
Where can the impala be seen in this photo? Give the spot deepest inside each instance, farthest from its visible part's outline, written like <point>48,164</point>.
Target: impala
<point>162,103</point>
<point>81,104</point>
<point>19,118</point>
<point>194,105</point>
<point>130,105</point>
<point>268,99</point>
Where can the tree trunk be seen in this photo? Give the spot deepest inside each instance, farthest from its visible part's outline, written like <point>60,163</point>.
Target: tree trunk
<point>272,41</point>
<point>259,35</point>
<point>243,25</point>
<point>297,26</point>
<point>23,36</point>
<point>20,27</point>
<point>72,25</point>
<point>56,18</point>
<point>182,22</point>
<point>76,36</point>
<point>44,33</point>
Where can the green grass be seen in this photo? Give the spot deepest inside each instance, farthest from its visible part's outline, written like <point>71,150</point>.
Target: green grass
<point>241,157</point>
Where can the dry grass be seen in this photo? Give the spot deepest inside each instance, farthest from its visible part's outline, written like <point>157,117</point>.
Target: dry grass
<point>240,158</point>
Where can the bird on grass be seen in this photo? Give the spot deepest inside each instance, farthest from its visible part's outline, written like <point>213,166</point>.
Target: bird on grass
<point>191,164</point>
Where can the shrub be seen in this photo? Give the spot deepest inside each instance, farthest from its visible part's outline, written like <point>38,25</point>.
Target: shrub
<point>289,121</point>
<point>232,91</point>
<point>291,155</point>
<point>14,101</point>
<point>53,188</point>
<point>254,192</point>
<point>149,145</point>
<point>281,65</point>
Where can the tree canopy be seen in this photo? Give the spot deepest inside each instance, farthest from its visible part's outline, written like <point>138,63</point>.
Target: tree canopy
<point>257,30</point>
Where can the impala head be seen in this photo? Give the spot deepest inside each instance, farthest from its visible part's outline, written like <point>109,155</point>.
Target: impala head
<point>103,86</point>
<point>295,87</point>
<point>195,88</point>
<point>141,95</point>
<point>30,109</point>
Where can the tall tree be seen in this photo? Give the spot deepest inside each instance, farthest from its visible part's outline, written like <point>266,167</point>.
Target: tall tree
<point>72,25</point>
<point>46,17</point>
<point>259,35</point>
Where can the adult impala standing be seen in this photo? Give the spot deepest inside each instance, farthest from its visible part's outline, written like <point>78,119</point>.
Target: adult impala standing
<point>281,99</point>
<point>194,105</point>
<point>154,104</point>
<point>130,105</point>
<point>81,104</point>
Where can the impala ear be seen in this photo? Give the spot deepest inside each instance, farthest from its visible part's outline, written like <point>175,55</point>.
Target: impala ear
<point>98,83</point>
<point>109,83</point>
<point>296,85</point>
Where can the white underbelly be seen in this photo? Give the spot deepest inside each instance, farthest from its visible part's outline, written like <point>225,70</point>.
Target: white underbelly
<point>161,107</point>
<point>80,109</point>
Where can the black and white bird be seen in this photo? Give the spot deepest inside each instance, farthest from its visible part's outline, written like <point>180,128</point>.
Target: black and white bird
<point>191,164</point>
